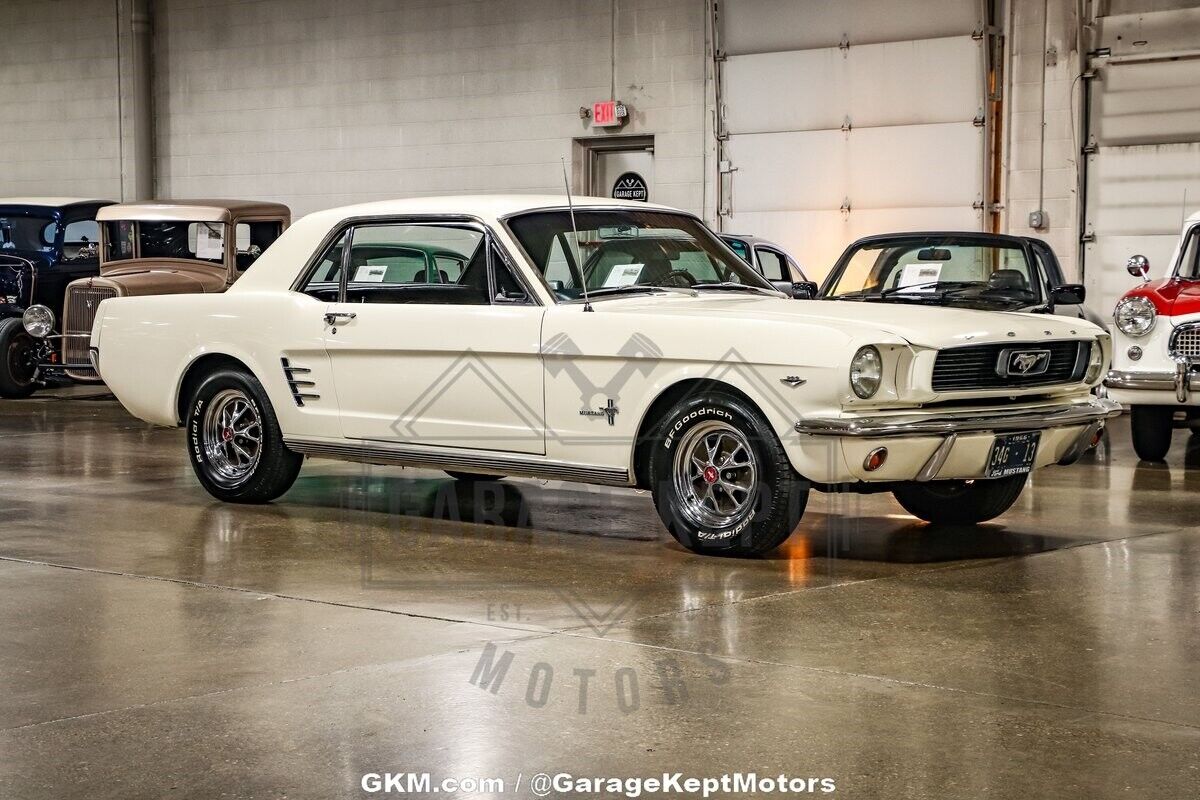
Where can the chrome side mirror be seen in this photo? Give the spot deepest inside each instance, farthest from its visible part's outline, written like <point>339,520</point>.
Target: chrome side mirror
<point>1138,267</point>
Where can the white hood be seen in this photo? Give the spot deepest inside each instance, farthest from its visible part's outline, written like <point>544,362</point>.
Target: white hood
<point>923,326</point>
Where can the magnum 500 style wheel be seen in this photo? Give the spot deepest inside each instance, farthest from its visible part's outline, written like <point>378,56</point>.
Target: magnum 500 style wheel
<point>722,483</point>
<point>234,442</point>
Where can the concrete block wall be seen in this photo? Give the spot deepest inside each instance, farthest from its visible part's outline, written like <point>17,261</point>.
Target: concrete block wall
<point>59,129</point>
<point>1034,169</point>
<point>320,104</point>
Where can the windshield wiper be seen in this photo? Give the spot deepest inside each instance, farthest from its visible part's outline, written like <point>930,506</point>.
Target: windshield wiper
<point>951,286</point>
<point>733,286</point>
<point>639,288</point>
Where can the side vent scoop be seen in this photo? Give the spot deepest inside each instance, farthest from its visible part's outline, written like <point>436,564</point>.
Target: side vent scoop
<point>298,385</point>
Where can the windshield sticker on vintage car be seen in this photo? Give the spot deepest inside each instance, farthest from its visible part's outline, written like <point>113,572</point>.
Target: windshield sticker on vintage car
<point>209,241</point>
<point>922,277</point>
<point>370,273</point>
<point>623,275</point>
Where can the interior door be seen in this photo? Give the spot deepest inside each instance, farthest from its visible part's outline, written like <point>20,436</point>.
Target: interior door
<point>624,174</point>
<point>422,356</point>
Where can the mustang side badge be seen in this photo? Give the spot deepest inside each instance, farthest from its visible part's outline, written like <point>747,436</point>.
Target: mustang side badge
<point>609,411</point>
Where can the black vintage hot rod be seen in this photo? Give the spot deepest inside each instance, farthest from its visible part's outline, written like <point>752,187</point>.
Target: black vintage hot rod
<point>45,243</point>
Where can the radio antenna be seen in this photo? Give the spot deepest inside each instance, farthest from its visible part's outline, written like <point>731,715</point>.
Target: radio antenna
<point>587,304</point>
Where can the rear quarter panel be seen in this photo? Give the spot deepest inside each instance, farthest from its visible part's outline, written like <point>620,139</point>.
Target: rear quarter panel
<point>147,344</point>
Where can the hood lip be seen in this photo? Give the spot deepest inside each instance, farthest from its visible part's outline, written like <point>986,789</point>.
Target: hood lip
<point>1001,325</point>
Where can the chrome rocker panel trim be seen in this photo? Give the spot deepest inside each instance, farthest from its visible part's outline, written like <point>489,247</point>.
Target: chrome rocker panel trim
<point>1028,418</point>
<point>397,455</point>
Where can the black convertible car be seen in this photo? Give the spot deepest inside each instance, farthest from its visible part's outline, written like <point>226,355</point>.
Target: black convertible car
<point>988,271</point>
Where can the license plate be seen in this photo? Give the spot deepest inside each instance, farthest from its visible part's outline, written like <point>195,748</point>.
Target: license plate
<point>1012,454</point>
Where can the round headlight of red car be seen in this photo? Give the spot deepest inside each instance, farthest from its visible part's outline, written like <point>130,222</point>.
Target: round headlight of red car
<point>38,321</point>
<point>1135,316</point>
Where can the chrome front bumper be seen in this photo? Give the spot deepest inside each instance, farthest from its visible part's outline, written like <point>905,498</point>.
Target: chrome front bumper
<point>1181,380</point>
<point>935,423</point>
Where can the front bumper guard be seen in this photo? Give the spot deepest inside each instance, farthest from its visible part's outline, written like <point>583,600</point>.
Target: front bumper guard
<point>1091,413</point>
<point>1182,380</point>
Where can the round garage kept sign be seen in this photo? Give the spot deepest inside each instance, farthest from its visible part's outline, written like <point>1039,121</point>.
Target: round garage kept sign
<point>631,186</point>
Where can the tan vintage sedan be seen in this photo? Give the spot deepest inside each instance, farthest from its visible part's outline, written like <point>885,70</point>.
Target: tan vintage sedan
<point>153,248</point>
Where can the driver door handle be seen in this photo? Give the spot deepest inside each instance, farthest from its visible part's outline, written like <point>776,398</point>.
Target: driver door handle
<point>332,317</point>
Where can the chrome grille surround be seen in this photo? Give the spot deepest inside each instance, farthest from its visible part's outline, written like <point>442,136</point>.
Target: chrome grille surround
<point>79,312</point>
<point>1185,342</point>
<point>974,367</point>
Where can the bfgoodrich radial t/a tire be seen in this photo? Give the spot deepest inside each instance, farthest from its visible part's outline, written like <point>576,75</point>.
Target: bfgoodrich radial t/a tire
<point>960,502</point>
<point>234,442</point>
<point>721,480</point>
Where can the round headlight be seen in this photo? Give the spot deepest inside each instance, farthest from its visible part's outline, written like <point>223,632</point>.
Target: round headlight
<point>1095,363</point>
<point>1134,316</point>
<point>866,372</point>
<point>38,321</point>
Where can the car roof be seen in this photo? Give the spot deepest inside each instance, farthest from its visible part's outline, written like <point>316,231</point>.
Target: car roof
<point>192,210</point>
<point>487,206</point>
<point>52,202</point>
<point>978,236</point>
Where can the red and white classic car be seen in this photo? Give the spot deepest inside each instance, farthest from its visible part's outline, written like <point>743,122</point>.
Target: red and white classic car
<point>1156,352</point>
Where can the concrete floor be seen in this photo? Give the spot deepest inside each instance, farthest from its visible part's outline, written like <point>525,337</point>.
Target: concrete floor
<point>156,643</point>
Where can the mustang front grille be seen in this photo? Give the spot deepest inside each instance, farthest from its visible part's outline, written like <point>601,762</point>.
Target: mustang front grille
<point>1015,365</point>
<point>1185,342</point>
<point>78,315</point>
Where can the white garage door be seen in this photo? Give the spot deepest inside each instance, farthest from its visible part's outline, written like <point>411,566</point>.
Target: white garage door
<point>845,118</point>
<point>1143,176</point>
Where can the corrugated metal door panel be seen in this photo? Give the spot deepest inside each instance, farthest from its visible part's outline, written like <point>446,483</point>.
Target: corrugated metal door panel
<point>765,26</point>
<point>899,83</point>
<point>1148,103</point>
<point>903,166</point>
<point>817,238</point>
<point>1138,198</point>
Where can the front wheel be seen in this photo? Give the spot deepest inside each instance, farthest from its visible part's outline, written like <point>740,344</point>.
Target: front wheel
<point>1152,427</point>
<point>960,502</point>
<point>18,360</point>
<point>234,440</point>
<point>721,480</point>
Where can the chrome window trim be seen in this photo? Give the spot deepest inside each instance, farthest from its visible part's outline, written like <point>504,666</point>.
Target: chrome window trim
<point>348,224</point>
<point>506,218</point>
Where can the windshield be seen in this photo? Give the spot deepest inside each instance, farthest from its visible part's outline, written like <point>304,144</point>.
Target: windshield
<point>32,234</point>
<point>628,251</point>
<point>945,270</point>
<point>203,241</point>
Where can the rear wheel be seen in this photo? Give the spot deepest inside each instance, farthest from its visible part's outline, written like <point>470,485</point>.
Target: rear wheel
<point>234,440</point>
<point>721,480</point>
<point>18,360</point>
<point>960,502</point>
<point>1152,427</point>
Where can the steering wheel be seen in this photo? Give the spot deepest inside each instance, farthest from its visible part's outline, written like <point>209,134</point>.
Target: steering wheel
<point>678,277</point>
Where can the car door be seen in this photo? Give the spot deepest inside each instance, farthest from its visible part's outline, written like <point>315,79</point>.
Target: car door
<point>451,364</point>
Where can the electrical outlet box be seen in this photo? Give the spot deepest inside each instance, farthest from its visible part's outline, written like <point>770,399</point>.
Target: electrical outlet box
<point>1039,220</point>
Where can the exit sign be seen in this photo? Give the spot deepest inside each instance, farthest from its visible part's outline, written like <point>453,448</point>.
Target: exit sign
<point>609,114</point>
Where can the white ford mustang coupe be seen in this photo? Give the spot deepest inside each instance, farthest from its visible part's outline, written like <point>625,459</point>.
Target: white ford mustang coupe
<point>613,343</point>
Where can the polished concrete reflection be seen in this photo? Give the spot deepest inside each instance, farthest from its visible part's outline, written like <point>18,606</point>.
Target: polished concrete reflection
<point>156,643</point>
